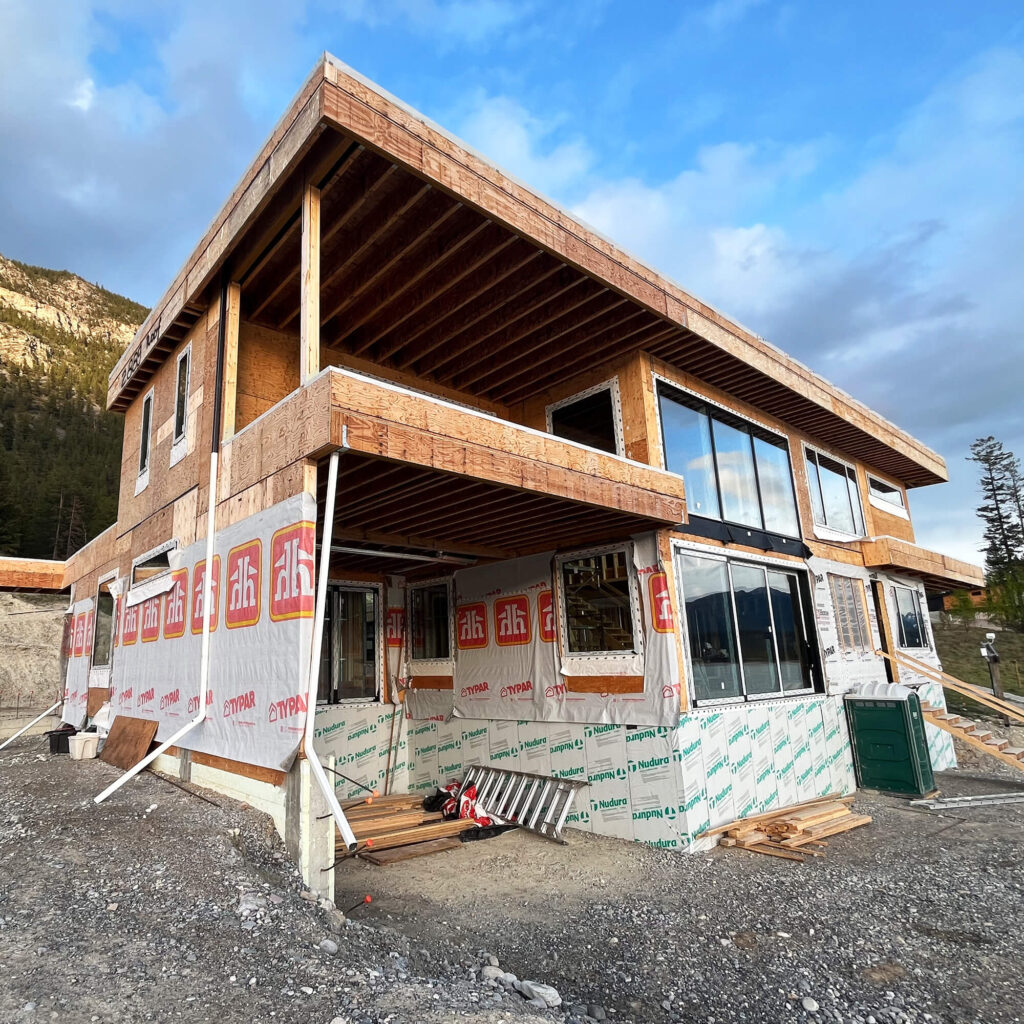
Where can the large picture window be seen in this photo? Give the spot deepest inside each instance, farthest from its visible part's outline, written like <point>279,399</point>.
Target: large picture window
<point>850,604</point>
<point>909,618</point>
<point>734,470</point>
<point>747,629</point>
<point>598,604</point>
<point>350,659</point>
<point>835,496</point>
<point>429,622</point>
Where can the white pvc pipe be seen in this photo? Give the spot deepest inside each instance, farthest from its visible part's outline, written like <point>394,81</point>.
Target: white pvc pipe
<point>25,728</point>
<point>312,683</point>
<point>204,660</point>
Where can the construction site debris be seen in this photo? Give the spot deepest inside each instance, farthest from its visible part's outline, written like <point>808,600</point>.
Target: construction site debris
<point>793,833</point>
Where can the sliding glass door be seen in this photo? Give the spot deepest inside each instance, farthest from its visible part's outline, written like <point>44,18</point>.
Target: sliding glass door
<point>747,630</point>
<point>350,657</point>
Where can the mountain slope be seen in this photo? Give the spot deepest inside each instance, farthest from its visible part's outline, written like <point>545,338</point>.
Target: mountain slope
<point>60,451</point>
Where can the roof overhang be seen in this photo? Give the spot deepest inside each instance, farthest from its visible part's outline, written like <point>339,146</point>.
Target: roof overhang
<point>32,575</point>
<point>938,572</point>
<point>437,263</point>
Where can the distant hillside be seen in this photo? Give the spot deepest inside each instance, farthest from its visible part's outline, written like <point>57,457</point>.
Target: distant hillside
<point>60,451</point>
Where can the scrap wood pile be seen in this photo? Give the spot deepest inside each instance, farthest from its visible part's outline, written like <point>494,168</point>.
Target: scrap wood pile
<point>793,832</point>
<point>390,829</point>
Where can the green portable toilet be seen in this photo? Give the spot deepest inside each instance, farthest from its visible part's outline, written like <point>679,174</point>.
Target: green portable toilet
<point>890,750</point>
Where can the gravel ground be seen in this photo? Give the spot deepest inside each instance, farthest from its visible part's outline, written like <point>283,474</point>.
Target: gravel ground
<point>185,911</point>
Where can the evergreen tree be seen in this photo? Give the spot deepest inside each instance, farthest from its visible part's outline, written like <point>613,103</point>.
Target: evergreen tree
<point>1000,507</point>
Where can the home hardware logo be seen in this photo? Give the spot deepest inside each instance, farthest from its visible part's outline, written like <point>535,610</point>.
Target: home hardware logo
<point>516,689</point>
<point>146,696</point>
<point>646,766</point>
<point>286,708</point>
<point>243,702</point>
<point>475,689</point>
<point>561,748</point>
<point>633,735</point>
<point>174,697</point>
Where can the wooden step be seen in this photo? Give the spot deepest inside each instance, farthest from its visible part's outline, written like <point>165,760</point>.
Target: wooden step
<point>950,719</point>
<point>997,743</point>
<point>981,733</point>
<point>1017,752</point>
<point>980,738</point>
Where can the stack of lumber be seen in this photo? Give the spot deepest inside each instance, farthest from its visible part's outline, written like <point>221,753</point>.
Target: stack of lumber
<point>395,828</point>
<point>793,832</point>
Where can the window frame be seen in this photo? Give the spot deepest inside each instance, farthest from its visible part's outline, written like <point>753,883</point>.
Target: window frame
<point>146,556</point>
<point>886,505</point>
<point>104,581</point>
<point>426,664</point>
<point>611,385</point>
<point>860,600</point>
<point>805,592</point>
<point>142,478</point>
<point>824,530</point>
<point>749,425</point>
<point>635,609</point>
<point>179,442</point>
<point>379,639</point>
<point>922,624</point>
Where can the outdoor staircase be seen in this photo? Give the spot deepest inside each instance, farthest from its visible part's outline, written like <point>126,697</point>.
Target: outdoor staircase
<point>970,732</point>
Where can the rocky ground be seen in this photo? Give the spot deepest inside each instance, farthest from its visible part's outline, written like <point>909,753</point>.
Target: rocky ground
<point>158,906</point>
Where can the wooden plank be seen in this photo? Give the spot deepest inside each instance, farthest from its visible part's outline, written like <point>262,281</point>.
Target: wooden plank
<point>128,742</point>
<point>309,314</point>
<point>248,771</point>
<point>778,813</point>
<point>826,829</point>
<point>364,828</point>
<point>98,696</point>
<point>403,837</point>
<point>773,851</point>
<point>31,574</point>
<point>229,395</point>
<point>400,853</point>
<point>604,684</point>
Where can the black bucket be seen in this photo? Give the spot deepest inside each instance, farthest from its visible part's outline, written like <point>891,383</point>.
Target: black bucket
<point>59,739</point>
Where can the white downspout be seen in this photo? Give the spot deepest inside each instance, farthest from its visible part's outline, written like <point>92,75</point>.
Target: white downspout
<point>312,683</point>
<point>204,661</point>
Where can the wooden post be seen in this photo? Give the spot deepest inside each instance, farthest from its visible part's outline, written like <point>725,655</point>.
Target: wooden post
<point>309,317</point>
<point>892,671</point>
<point>230,388</point>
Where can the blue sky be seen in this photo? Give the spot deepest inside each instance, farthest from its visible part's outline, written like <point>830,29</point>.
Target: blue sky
<point>845,179</point>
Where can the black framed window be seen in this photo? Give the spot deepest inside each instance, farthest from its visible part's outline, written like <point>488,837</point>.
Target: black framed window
<point>350,657</point>
<point>835,495</point>
<point>909,618</point>
<point>598,603</point>
<point>144,437</point>
<point>181,395</point>
<point>734,470</point>
<point>748,629</point>
<point>429,617</point>
<point>589,420</point>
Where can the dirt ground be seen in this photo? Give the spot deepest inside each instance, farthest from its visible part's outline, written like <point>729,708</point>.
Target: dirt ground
<point>31,626</point>
<point>159,906</point>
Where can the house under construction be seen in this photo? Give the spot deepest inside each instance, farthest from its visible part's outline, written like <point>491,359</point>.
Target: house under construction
<point>408,436</point>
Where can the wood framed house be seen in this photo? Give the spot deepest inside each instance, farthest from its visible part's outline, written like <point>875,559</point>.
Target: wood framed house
<point>583,523</point>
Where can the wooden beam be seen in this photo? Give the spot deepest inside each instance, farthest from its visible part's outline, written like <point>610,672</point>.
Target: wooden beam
<point>309,321</point>
<point>229,395</point>
<point>31,574</point>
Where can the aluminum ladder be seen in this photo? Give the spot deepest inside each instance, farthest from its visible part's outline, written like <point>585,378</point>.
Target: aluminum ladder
<point>539,803</point>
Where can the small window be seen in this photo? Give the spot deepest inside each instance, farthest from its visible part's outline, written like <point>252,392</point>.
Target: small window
<point>350,661</point>
<point>589,419</point>
<point>429,622</point>
<point>598,604</point>
<point>734,470</point>
<point>747,629</point>
<point>145,434</point>
<point>103,627</point>
<point>151,566</point>
<point>912,630</point>
<point>835,496</point>
<point>181,388</point>
<point>886,492</point>
<point>850,603</point>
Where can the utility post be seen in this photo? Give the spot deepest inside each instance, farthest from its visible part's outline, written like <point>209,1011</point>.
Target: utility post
<point>991,656</point>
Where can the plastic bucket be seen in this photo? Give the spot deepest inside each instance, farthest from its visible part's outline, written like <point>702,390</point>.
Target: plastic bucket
<point>83,745</point>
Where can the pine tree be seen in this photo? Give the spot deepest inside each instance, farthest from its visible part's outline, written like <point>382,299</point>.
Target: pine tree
<point>999,510</point>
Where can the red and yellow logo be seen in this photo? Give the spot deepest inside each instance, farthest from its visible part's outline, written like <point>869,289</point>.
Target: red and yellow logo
<point>245,584</point>
<point>662,617</point>
<point>151,619</point>
<point>88,633</point>
<point>79,635</point>
<point>471,626</point>
<point>199,589</point>
<point>176,605</point>
<point>130,628</point>
<point>512,620</point>
<point>291,561</point>
<point>395,627</point>
<point>546,616</point>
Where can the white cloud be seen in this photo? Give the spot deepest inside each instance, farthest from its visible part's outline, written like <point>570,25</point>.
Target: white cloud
<point>84,94</point>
